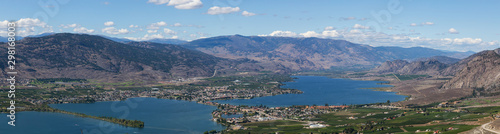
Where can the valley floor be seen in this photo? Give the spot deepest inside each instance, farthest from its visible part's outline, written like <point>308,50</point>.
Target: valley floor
<point>427,108</point>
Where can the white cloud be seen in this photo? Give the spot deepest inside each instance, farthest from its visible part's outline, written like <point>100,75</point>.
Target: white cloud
<point>453,31</point>
<point>158,2</point>
<point>152,36</point>
<point>422,24</point>
<point>331,33</point>
<point>324,34</point>
<point>179,4</point>
<point>222,10</point>
<point>152,31</point>
<point>246,13</point>
<point>329,28</point>
<point>402,40</point>
<point>133,26</point>
<point>113,30</point>
<point>177,25</point>
<point>169,32</point>
<point>354,31</point>
<point>283,33</point>
<point>193,35</point>
<point>310,34</point>
<point>69,25</point>
<point>181,25</point>
<point>428,23</point>
<point>461,41</point>
<point>83,30</point>
<point>358,26</point>
<point>109,23</point>
<point>156,25</point>
<point>26,27</point>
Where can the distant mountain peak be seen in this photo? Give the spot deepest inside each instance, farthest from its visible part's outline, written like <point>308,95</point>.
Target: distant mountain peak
<point>307,53</point>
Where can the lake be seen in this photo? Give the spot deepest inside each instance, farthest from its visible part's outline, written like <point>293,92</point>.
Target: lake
<point>321,90</point>
<point>173,116</point>
<point>159,116</point>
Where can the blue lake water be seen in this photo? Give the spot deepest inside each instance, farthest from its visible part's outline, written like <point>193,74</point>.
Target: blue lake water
<point>323,90</point>
<point>160,116</point>
<point>172,116</point>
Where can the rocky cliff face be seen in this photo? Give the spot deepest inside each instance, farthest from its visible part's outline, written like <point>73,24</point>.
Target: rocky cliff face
<point>482,71</point>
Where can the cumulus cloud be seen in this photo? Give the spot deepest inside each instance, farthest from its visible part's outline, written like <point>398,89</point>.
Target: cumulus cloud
<point>310,34</point>
<point>169,32</point>
<point>156,25</point>
<point>331,33</point>
<point>158,2</point>
<point>177,25</point>
<point>26,27</point>
<point>329,28</point>
<point>453,31</point>
<point>461,41</point>
<point>401,40</point>
<point>109,23</point>
<point>283,33</point>
<point>358,26</point>
<point>69,25</point>
<point>179,4</point>
<point>222,10</point>
<point>422,24</point>
<point>83,30</point>
<point>152,31</point>
<point>113,30</point>
<point>324,34</point>
<point>133,26</point>
<point>246,13</point>
<point>182,25</point>
<point>428,23</point>
<point>152,36</point>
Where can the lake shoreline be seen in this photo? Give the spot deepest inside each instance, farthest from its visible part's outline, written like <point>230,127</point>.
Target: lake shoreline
<point>204,102</point>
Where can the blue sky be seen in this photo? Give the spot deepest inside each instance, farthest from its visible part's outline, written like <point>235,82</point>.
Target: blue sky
<point>446,24</point>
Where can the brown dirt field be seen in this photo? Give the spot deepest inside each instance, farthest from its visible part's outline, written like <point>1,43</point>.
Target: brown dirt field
<point>423,91</point>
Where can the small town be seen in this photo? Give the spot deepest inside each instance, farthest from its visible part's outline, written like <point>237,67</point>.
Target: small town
<point>263,113</point>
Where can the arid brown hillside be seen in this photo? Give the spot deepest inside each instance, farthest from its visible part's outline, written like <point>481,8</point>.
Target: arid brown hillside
<point>84,56</point>
<point>481,72</point>
<point>429,67</point>
<point>301,54</point>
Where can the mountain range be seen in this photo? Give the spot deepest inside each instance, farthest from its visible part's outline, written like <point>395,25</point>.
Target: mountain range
<point>436,65</point>
<point>300,54</point>
<point>85,56</point>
